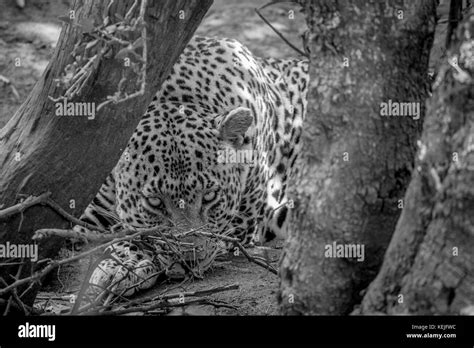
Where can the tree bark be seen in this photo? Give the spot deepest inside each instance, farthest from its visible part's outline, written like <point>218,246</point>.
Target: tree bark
<point>355,163</point>
<point>429,265</point>
<point>71,156</point>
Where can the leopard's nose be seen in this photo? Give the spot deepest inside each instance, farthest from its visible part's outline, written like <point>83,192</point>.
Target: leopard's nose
<point>187,217</point>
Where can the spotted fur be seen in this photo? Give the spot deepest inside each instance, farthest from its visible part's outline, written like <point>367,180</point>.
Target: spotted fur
<point>219,98</point>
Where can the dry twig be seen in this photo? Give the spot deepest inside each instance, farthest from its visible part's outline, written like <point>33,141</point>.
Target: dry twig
<point>163,301</point>
<point>257,10</point>
<point>92,48</point>
<point>8,82</point>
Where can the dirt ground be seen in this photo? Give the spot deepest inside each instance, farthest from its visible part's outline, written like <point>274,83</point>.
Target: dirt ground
<point>27,39</point>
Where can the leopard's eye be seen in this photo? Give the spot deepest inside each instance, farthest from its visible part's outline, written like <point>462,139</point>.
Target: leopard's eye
<point>209,196</point>
<point>154,201</point>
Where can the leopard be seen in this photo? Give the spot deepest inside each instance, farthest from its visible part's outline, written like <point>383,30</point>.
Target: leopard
<point>217,146</point>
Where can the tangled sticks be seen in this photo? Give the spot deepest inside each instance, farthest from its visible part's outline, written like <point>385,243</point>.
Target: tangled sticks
<point>99,36</point>
<point>173,250</point>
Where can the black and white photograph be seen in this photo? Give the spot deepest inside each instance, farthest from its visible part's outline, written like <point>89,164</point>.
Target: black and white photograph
<point>237,164</point>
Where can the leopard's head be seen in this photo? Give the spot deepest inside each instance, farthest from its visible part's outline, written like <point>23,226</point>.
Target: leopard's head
<point>179,167</point>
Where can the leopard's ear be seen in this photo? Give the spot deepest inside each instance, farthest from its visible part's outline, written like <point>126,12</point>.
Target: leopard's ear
<point>237,127</point>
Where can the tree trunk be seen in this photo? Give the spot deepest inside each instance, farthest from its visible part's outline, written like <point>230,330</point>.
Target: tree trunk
<point>356,162</point>
<point>71,156</point>
<point>429,265</point>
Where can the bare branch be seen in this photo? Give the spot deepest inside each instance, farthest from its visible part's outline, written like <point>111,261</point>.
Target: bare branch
<point>20,207</point>
<point>163,301</point>
<point>257,10</point>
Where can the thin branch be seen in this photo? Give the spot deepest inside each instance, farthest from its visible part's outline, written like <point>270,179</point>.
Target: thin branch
<point>49,232</point>
<point>45,199</point>
<point>14,296</point>
<point>257,10</point>
<point>8,82</point>
<point>237,243</point>
<point>53,264</point>
<point>55,206</point>
<point>257,261</point>
<point>88,54</point>
<point>22,206</point>
<point>163,302</point>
